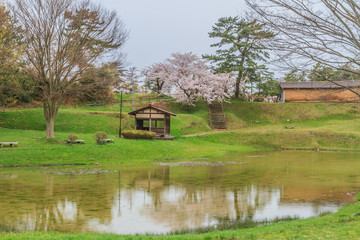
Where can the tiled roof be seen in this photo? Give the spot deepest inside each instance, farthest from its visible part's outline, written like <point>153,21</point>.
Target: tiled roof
<point>337,84</point>
<point>152,106</point>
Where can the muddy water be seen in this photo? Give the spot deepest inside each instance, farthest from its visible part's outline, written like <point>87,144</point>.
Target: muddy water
<point>166,197</point>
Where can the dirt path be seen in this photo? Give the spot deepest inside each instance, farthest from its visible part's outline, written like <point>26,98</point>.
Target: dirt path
<point>204,133</point>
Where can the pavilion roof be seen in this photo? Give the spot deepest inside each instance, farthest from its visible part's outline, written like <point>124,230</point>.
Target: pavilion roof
<point>153,107</point>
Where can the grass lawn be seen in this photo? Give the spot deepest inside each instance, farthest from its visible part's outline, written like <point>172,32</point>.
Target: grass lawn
<point>33,149</point>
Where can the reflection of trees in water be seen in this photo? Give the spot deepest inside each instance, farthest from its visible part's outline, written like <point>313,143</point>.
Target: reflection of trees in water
<point>64,205</point>
<point>200,202</point>
<point>178,196</point>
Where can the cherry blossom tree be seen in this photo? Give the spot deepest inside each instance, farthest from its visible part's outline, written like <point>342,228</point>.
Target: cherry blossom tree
<point>188,78</point>
<point>155,76</point>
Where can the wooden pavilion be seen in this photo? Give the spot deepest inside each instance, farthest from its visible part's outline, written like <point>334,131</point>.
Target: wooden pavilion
<point>153,119</point>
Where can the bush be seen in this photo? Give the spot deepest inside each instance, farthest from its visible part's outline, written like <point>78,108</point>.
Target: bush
<point>72,137</point>
<point>138,134</point>
<point>100,137</point>
<point>259,98</point>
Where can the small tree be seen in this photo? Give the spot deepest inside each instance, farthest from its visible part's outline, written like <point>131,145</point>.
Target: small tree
<point>156,75</point>
<point>269,88</point>
<point>63,39</point>
<point>240,48</point>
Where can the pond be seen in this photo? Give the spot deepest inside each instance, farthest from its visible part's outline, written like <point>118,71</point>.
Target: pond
<point>166,197</point>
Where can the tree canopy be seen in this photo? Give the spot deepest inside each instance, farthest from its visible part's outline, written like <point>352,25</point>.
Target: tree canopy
<point>63,39</point>
<point>313,31</point>
<point>240,49</point>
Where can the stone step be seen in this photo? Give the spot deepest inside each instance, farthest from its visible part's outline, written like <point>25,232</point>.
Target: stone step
<point>217,116</point>
<point>220,127</point>
<point>218,120</point>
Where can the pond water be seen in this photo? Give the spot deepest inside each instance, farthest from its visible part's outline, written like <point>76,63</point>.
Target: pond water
<point>162,198</point>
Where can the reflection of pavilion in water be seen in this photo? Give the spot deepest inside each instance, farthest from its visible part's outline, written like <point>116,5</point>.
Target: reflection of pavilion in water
<point>155,200</point>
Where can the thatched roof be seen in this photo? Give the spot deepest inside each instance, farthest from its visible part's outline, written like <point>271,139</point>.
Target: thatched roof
<point>316,85</point>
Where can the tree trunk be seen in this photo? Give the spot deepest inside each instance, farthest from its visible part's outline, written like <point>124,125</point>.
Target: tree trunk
<point>237,89</point>
<point>50,127</point>
<point>50,113</point>
<point>237,85</point>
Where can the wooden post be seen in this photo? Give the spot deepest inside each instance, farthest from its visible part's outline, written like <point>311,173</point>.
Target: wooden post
<point>120,113</point>
<point>150,120</point>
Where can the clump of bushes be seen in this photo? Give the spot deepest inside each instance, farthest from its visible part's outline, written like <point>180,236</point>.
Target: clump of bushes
<point>100,137</point>
<point>72,138</point>
<point>138,134</point>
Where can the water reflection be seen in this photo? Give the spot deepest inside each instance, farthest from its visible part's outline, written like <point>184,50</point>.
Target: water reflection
<point>165,198</point>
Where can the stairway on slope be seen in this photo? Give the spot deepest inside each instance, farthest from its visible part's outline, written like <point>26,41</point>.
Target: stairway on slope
<point>217,116</point>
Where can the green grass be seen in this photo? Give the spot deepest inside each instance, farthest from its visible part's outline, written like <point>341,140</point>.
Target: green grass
<point>33,149</point>
<point>83,121</point>
<point>333,126</point>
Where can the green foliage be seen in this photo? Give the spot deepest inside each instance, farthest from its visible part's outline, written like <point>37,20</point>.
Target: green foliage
<point>240,48</point>
<point>138,134</point>
<point>324,73</point>
<point>15,85</point>
<point>100,137</point>
<point>96,84</point>
<point>72,137</point>
<point>295,76</point>
<point>269,88</point>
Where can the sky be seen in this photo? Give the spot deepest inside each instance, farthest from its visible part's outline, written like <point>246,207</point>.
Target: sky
<point>161,27</point>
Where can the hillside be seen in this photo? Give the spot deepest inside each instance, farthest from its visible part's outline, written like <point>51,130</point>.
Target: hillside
<point>240,115</point>
<point>252,126</point>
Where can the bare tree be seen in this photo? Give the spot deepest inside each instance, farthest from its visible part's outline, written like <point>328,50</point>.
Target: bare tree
<point>313,31</point>
<point>64,38</point>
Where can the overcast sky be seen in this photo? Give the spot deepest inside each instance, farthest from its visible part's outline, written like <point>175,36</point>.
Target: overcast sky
<point>161,27</point>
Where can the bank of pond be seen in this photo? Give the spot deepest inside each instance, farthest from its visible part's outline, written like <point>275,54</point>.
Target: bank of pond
<point>183,195</point>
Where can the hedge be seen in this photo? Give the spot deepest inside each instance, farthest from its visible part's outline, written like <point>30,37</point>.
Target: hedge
<point>138,134</point>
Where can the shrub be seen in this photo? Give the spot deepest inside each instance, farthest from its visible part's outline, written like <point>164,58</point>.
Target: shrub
<point>100,136</point>
<point>72,137</point>
<point>259,98</point>
<point>138,134</point>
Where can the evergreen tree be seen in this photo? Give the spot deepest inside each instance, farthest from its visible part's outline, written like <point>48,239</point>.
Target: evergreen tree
<point>295,76</point>
<point>240,48</point>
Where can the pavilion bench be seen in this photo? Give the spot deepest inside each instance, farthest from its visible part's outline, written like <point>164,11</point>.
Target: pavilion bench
<point>12,144</point>
<point>75,141</point>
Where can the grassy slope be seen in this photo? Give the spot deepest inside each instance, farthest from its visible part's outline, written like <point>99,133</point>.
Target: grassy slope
<point>345,224</point>
<point>332,126</point>
<point>93,119</point>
